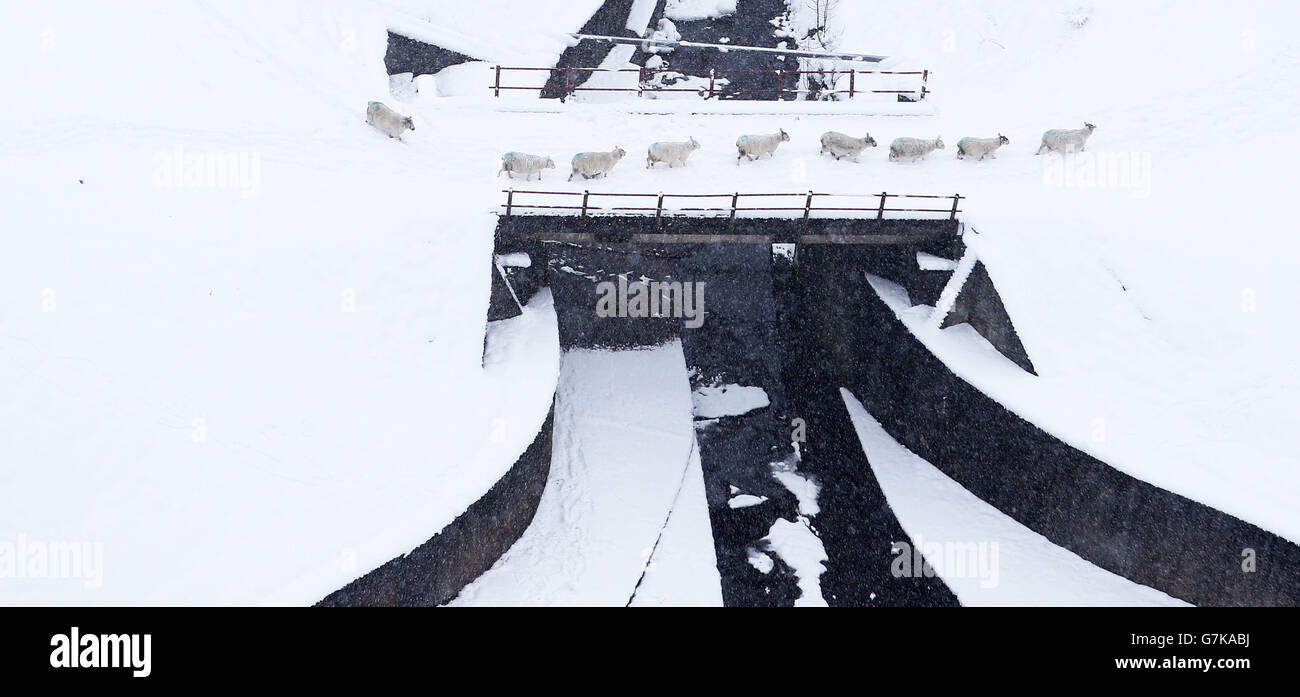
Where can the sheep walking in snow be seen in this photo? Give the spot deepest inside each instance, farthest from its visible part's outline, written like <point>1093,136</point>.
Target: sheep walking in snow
<point>591,164</point>
<point>670,152</point>
<point>913,148</point>
<point>1066,139</point>
<point>755,146</point>
<point>980,147</point>
<point>513,163</point>
<point>842,145</point>
<point>387,120</point>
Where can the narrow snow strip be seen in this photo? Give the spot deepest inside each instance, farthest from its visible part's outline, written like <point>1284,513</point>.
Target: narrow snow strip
<point>984,556</point>
<point>692,10</point>
<point>950,292</point>
<point>930,262</point>
<point>638,19</point>
<point>623,436</point>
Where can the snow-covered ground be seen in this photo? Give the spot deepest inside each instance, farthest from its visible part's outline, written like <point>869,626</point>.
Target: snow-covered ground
<point>251,387</point>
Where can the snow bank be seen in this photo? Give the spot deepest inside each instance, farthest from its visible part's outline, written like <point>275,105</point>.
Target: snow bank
<point>243,348</point>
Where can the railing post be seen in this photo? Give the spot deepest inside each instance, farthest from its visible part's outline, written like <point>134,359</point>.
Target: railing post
<point>955,199</point>
<point>852,80</point>
<point>925,80</point>
<point>640,81</point>
<point>568,83</point>
<point>780,85</point>
<point>711,76</point>
<point>881,212</point>
<point>496,88</point>
<point>807,209</point>
<point>585,195</point>
<point>659,209</point>
<point>510,201</point>
<point>734,198</point>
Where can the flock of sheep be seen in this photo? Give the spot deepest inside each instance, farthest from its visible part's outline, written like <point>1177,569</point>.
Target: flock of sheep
<point>839,145</point>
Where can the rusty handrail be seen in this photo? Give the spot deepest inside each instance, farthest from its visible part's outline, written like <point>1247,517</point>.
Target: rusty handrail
<point>779,91</point>
<point>807,206</point>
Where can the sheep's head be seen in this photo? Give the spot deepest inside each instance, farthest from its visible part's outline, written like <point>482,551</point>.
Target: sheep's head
<point>618,153</point>
<point>695,144</point>
<point>410,125</point>
<point>1003,140</point>
<point>784,136</point>
<point>871,142</point>
<point>1089,126</point>
<point>550,164</point>
<point>938,143</point>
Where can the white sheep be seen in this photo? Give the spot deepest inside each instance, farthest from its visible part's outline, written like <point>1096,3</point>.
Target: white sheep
<point>522,163</point>
<point>913,148</point>
<point>755,146</point>
<point>387,120</point>
<point>670,152</point>
<point>842,145</point>
<point>591,164</point>
<point>1066,139</point>
<point>980,147</point>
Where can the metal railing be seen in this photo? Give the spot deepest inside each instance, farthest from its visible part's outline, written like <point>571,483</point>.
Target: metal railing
<point>645,75</point>
<point>804,203</point>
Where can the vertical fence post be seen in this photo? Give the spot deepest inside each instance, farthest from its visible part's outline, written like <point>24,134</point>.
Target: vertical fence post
<point>585,195</point>
<point>640,81</point>
<point>853,74</point>
<point>925,80</point>
<point>807,208</point>
<point>734,198</point>
<point>711,77</point>
<point>780,84</point>
<point>568,83</point>
<point>880,213</point>
<point>496,87</point>
<point>659,209</point>
<point>510,201</point>
<point>955,199</point>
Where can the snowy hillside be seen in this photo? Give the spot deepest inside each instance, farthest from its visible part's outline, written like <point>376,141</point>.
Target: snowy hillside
<point>242,332</point>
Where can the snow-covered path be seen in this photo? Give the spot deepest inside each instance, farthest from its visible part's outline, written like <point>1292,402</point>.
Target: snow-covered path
<point>624,457</point>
